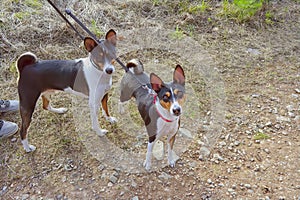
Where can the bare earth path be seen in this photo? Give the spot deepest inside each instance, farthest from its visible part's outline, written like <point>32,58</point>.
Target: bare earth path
<point>243,104</point>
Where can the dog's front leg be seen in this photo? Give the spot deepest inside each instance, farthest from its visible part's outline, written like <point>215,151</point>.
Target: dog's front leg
<point>94,104</point>
<point>172,157</point>
<point>105,110</point>
<point>147,163</point>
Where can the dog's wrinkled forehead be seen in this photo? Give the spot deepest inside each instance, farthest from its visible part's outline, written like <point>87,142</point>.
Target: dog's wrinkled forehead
<point>105,52</point>
<point>171,91</point>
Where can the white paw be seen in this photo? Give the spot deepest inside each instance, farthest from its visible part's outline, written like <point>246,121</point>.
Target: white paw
<point>172,163</point>
<point>172,158</point>
<point>147,165</point>
<point>58,110</point>
<point>29,149</point>
<point>112,120</point>
<point>101,132</point>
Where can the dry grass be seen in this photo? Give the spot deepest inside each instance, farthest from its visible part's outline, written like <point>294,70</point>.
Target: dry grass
<point>219,69</point>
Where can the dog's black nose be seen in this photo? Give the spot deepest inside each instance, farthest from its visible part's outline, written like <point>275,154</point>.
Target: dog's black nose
<point>177,111</point>
<point>109,70</point>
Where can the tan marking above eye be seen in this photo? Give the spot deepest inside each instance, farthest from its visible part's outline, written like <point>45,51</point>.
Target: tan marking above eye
<point>176,91</point>
<point>168,94</point>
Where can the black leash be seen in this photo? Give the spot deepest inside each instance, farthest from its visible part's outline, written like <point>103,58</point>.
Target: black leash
<point>68,11</point>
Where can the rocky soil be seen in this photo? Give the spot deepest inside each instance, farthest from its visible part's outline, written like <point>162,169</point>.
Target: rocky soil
<point>240,133</point>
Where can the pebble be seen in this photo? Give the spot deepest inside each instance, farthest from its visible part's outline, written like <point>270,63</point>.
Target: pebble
<point>158,150</point>
<point>113,179</point>
<point>222,143</point>
<point>209,181</point>
<point>236,143</point>
<point>25,196</point>
<point>164,176</point>
<point>297,90</point>
<point>283,119</point>
<point>135,198</point>
<point>290,108</point>
<point>186,133</point>
<point>204,153</point>
<point>230,190</point>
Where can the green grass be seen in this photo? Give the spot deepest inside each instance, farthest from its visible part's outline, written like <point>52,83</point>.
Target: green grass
<point>178,33</point>
<point>33,4</point>
<point>261,136</point>
<point>96,30</point>
<point>241,10</point>
<point>198,7</point>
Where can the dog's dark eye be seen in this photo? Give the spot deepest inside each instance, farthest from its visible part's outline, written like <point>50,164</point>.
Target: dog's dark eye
<point>165,98</point>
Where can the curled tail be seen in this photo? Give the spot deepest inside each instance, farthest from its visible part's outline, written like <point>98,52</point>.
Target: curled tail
<point>136,65</point>
<point>25,59</point>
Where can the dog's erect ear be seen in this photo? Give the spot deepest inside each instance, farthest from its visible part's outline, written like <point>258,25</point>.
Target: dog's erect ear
<point>156,82</point>
<point>178,76</point>
<point>111,36</point>
<point>89,44</point>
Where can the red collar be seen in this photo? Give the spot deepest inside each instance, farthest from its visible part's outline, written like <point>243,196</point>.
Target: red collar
<point>160,115</point>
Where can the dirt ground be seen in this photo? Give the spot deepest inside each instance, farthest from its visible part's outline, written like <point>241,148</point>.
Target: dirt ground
<point>239,137</point>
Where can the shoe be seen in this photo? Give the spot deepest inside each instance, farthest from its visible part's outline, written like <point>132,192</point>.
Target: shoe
<point>7,129</point>
<point>9,105</point>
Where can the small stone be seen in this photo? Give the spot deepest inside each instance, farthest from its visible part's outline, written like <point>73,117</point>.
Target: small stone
<point>222,143</point>
<point>230,190</point>
<point>25,196</point>
<point>133,184</point>
<point>290,108</point>
<point>209,181</point>
<point>255,95</point>
<point>185,133</point>
<point>113,179</point>
<point>268,124</point>
<point>297,90</point>
<point>164,176</point>
<point>236,143</point>
<point>283,119</point>
<point>218,157</point>
<point>204,153</point>
<point>135,198</point>
<point>291,115</point>
<point>158,150</point>
<point>59,197</point>
<point>248,186</point>
<point>110,184</point>
<point>267,151</point>
<point>284,133</point>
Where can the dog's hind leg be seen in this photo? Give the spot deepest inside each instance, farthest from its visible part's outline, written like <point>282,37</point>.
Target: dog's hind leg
<point>47,105</point>
<point>27,105</point>
<point>105,110</point>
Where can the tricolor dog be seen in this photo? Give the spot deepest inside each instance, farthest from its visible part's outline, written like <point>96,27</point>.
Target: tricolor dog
<point>159,104</point>
<point>89,77</point>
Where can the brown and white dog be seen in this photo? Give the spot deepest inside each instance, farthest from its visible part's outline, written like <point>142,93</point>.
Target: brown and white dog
<point>89,77</point>
<point>160,109</point>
